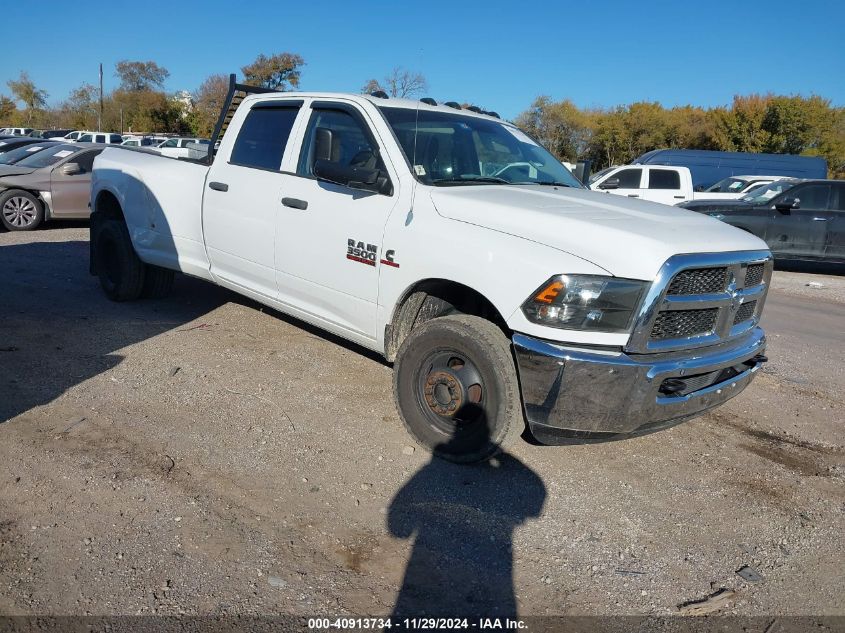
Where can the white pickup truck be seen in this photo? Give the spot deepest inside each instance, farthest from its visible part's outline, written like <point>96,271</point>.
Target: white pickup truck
<point>669,184</point>
<point>450,242</point>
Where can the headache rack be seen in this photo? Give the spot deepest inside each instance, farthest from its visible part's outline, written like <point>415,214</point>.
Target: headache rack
<point>237,93</point>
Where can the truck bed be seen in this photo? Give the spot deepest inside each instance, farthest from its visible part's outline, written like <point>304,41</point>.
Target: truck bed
<point>161,198</point>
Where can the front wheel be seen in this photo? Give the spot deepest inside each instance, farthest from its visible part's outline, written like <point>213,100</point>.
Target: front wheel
<point>456,389</point>
<point>21,211</point>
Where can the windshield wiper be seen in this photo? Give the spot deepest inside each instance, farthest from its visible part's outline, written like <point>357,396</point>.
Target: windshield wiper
<point>472,179</point>
<point>549,183</point>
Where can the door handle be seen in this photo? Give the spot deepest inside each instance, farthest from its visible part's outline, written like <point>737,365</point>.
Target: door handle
<point>678,197</point>
<point>218,186</point>
<point>633,195</point>
<point>294,203</point>
<point>820,219</point>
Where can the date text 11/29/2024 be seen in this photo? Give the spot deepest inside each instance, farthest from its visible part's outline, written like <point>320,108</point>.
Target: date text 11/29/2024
<point>415,624</point>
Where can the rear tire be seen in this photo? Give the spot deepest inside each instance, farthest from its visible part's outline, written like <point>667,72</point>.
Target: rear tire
<point>456,388</point>
<point>158,282</point>
<point>120,271</point>
<point>20,210</point>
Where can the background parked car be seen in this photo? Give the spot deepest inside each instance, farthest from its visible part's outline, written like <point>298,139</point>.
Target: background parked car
<point>140,141</point>
<point>736,186</point>
<point>52,183</point>
<point>798,219</point>
<point>181,146</point>
<point>7,144</point>
<point>9,159</point>
<point>51,133</point>
<point>106,138</point>
<point>16,131</point>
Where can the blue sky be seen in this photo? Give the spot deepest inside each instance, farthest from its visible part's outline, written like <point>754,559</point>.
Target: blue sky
<point>500,55</point>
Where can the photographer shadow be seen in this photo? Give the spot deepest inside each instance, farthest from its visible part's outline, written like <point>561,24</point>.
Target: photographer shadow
<point>463,519</point>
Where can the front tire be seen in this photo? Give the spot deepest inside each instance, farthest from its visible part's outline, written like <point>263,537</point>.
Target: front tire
<point>158,282</point>
<point>20,210</point>
<point>120,271</point>
<point>456,388</point>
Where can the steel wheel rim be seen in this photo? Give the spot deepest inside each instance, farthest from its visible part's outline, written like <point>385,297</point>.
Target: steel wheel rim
<point>441,383</point>
<point>19,211</point>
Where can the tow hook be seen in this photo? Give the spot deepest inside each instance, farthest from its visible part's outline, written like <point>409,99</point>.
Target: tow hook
<point>672,386</point>
<point>760,359</point>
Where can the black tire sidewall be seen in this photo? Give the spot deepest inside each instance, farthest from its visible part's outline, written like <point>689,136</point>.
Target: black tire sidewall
<point>492,361</point>
<point>39,210</point>
<point>124,266</point>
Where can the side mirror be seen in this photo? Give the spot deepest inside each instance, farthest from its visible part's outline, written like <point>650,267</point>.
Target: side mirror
<point>610,183</point>
<point>787,204</point>
<point>71,169</point>
<point>353,177</point>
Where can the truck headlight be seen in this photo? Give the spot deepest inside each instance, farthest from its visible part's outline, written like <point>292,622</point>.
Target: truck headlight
<point>585,302</point>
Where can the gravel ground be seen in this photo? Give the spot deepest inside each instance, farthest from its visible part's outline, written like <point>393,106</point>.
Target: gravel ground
<point>204,455</point>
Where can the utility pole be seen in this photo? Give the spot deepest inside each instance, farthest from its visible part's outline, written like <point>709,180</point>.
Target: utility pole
<point>100,114</point>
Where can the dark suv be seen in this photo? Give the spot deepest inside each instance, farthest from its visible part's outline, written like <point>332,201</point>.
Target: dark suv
<point>798,219</point>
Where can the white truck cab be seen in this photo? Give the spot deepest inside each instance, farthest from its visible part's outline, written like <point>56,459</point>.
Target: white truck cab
<point>451,243</point>
<point>664,184</point>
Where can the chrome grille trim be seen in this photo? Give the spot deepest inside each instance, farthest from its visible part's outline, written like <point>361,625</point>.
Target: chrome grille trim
<point>658,300</point>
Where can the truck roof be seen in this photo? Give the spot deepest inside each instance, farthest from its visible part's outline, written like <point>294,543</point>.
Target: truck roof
<point>381,102</point>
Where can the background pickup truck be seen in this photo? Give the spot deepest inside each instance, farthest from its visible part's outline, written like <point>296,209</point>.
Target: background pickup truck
<point>669,184</point>
<point>451,243</point>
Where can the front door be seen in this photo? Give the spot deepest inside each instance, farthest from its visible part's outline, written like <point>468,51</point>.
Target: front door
<point>630,182</point>
<point>801,231</point>
<point>70,192</point>
<point>242,194</point>
<point>329,236</point>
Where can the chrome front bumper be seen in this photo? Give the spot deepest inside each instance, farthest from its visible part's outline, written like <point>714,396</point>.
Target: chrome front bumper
<point>573,393</point>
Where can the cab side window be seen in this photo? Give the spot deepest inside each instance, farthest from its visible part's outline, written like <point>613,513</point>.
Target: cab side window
<point>86,161</point>
<point>263,136</point>
<point>813,196</point>
<point>350,144</point>
<point>663,179</point>
<point>629,178</point>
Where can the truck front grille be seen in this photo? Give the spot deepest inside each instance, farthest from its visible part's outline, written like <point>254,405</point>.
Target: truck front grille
<point>699,281</point>
<point>745,312</point>
<point>754,275</point>
<point>700,300</point>
<point>683,323</point>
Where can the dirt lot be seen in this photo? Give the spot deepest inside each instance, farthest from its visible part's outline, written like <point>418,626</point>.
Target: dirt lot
<point>204,455</point>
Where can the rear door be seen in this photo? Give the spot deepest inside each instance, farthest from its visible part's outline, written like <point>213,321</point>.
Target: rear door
<point>801,231</point>
<point>243,195</point>
<point>664,185</point>
<point>70,193</point>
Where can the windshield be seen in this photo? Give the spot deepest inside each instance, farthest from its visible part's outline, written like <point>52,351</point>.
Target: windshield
<point>455,149</point>
<point>599,174</point>
<point>761,195</point>
<point>15,155</point>
<point>49,156</point>
<point>728,185</point>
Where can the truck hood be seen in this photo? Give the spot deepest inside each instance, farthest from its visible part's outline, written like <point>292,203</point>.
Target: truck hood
<point>628,238</point>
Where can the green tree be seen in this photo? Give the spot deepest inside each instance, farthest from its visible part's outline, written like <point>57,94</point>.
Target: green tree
<point>25,90</point>
<point>280,71</point>
<point>208,102</point>
<point>137,76</point>
<point>80,109</point>
<point>8,110</point>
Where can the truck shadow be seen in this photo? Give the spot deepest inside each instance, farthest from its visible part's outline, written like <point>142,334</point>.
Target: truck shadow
<point>462,519</point>
<point>59,330</point>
